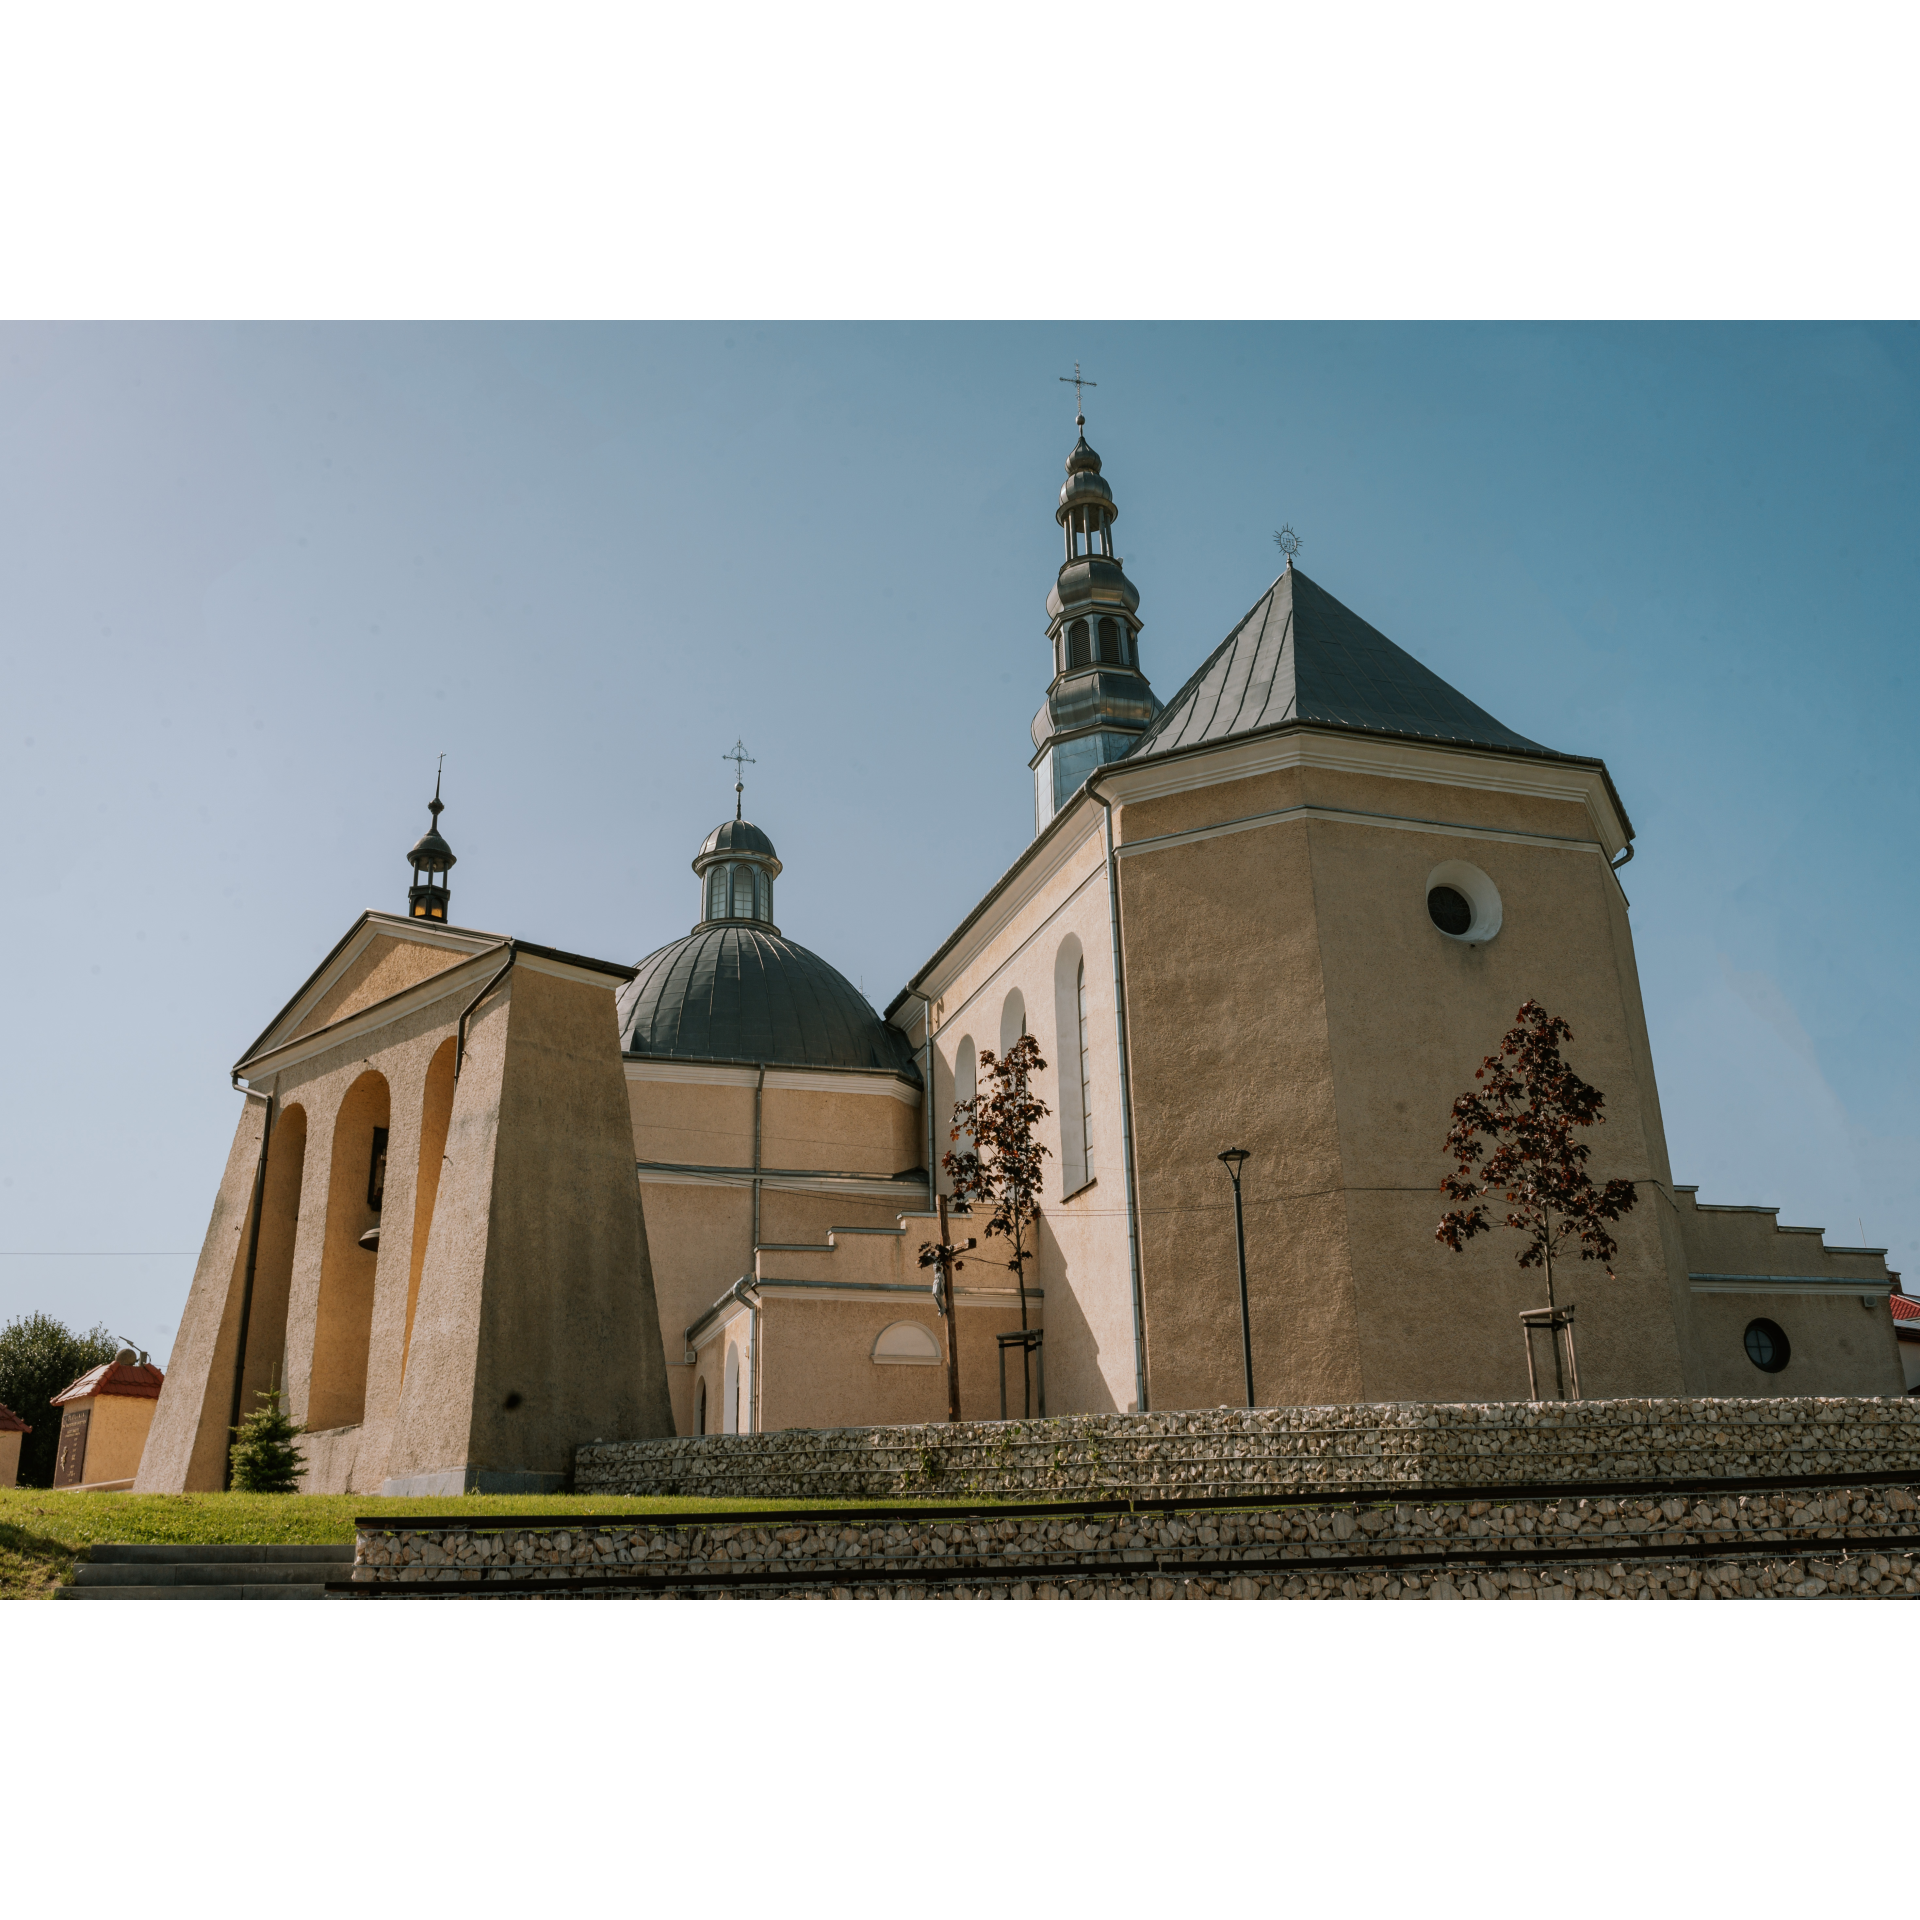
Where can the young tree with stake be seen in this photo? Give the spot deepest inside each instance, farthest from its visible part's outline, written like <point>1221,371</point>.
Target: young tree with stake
<point>1528,1106</point>
<point>1002,1168</point>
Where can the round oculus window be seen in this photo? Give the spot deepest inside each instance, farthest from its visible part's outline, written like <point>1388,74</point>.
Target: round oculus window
<point>1450,910</point>
<point>1767,1346</point>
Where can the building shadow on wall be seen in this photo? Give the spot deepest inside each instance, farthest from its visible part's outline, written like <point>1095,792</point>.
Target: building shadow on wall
<point>1076,1382</point>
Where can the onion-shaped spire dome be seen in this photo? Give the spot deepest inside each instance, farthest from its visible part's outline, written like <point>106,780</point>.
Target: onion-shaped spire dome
<point>1098,702</point>
<point>431,858</point>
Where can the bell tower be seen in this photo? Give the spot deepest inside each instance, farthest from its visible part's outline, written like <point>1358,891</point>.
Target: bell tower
<point>430,859</point>
<point>1098,702</point>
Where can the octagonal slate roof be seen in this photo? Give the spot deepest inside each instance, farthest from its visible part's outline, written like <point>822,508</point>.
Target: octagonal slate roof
<point>737,992</point>
<point>1299,655</point>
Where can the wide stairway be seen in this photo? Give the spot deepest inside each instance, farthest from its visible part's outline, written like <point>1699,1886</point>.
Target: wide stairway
<point>207,1573</point>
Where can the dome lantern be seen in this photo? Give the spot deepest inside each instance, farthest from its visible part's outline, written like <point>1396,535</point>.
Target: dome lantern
<point>737,865</point>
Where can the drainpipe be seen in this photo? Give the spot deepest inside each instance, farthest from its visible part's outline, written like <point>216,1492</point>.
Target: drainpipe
<point>460,1028</point>
<point>753,1306</point>
<point>755,1335</point>
<point>246,1285</point>
<point>759,1089</point>
<point>1126,1100</point>
<point>926,1005</point>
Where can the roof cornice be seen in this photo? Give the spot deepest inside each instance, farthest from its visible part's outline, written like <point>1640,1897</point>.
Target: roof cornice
<point>1306,743</point>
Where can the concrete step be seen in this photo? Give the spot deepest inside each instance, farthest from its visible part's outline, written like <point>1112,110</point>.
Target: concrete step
<point>220,1573</point>
<point>240,1572</point>
<point>147,1556</point>
<point>283,1590</point>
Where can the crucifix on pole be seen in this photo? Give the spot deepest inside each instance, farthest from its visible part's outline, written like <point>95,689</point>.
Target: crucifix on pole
<point>944,1258</point>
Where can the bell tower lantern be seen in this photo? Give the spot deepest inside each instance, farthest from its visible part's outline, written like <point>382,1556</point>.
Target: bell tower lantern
<point>431,857</point>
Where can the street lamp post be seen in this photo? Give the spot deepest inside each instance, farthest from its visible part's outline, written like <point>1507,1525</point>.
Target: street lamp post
<point>1233,1160</point>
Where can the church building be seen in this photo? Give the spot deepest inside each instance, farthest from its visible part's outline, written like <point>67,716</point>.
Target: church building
<point>1286,912</point>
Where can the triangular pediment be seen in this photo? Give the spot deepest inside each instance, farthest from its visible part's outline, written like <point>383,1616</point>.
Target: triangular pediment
<point>380,955</point>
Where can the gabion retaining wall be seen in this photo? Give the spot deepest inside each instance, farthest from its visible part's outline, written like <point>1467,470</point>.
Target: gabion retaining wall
<point>1796,1543</point>
<point>1223,1451</point>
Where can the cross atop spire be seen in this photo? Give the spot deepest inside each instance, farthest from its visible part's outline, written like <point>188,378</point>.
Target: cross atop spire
<point>1076,382</point>
<point>741,759</point>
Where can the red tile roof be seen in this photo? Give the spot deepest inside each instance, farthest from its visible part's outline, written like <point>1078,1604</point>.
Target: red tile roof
<point>137,1383</point>
<point>10,1422</point>
<point>1905,1310</point>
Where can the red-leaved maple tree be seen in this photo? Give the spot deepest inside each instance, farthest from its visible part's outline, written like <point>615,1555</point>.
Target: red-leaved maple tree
<point>1001,1168</point>
<point>1513,1143</point>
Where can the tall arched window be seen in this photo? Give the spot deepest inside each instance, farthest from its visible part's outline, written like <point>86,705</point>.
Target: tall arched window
<point>762,895</point>
<point>1013,1020</point>
<point>1086,1074</point>
<point>717,893</point>
<point>966,1083</point>
<point>730,1392</point>
<point>1078,652</point>
<point>1070,1039</point>
<point>1110,640</point>
<point>743,893</point>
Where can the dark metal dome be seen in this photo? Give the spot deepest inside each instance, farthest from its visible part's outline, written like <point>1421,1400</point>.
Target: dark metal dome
<point>741,993</point>
<point>1083,459</point>
<point>737,836</point>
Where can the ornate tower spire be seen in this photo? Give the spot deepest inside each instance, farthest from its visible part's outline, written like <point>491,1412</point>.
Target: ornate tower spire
<point>1098,702</point>
<point>430,858</point>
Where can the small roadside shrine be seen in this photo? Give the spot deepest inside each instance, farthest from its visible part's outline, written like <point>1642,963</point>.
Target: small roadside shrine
<point>104,1417</point>
<point>12,1429</point>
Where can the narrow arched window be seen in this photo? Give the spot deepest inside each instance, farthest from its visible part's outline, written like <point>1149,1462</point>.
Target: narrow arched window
<point>743,893</point>
<point>1110,640</point>
<point>716,893</point>
<point>1086,1074</point>
<point>762,895</point>
<point>1077,645</point>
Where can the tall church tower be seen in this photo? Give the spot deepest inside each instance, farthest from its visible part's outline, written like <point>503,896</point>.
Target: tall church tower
<point>1098,703</point>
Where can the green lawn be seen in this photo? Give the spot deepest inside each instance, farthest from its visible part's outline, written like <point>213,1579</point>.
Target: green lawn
<point>41,1532</point>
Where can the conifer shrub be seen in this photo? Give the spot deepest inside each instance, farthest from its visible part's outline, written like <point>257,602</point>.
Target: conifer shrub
<point>265,1460</point>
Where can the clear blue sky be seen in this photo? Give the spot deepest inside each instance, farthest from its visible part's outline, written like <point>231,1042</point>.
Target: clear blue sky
<point>256,579</point>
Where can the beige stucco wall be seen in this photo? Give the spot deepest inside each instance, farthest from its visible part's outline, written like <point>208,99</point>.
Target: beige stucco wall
<point>116,1435</point>
<point>1028,945</point>
<point>817,1367</point>
<point>1287,988</point>
<point>1840,1342</point>
<point>536,1325</point>
<point>700,1226</point>
<point>388,966</point>
<point>1287,993</point>
<point>534,1266</point>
